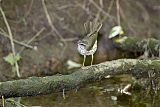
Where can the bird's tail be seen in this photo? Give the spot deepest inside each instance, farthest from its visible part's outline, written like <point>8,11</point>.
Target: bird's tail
<point>92,27</point>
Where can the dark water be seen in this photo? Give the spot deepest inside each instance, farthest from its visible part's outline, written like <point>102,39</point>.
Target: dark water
<point>100,94</point>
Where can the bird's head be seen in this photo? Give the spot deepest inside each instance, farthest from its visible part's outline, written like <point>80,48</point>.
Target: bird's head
<point>82,44</point>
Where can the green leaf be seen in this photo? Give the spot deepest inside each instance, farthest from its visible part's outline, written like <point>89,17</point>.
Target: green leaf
<point>17,57</point>
<point>115,31</point>
<point>11,59</point>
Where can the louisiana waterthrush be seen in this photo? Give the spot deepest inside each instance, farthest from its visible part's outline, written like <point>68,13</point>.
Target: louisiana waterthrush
<point>88,45</point>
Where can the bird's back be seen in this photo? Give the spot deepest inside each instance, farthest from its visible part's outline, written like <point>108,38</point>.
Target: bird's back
<point>92,29</point>
<point>90,41</point>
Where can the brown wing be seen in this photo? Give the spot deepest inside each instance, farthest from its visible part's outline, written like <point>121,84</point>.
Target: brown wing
<point>90,40</point>
<point>92,29</point>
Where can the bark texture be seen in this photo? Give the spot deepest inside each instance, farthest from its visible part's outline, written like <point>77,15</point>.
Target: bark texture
<point>152,46</point>
<point>45,85</point>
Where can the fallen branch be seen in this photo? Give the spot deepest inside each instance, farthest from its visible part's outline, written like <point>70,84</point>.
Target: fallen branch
<point>57,83</point>
<point>140,45</point>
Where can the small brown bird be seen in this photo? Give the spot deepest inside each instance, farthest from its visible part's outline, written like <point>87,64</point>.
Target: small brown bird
<point>88,45</point>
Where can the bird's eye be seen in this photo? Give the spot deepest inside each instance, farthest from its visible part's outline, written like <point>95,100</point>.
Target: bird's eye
<point>83,44</point>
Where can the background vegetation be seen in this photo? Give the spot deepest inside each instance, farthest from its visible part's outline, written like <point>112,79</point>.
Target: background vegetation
<point>45,32</point>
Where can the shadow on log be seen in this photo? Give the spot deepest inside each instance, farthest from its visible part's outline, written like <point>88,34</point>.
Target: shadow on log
<point>50,84</point>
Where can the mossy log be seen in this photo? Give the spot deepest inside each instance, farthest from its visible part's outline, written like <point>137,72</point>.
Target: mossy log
<point>152,46</point>
<point>50,84</point>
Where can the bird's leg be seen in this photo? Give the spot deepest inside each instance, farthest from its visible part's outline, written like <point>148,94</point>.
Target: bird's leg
<point>84,58</point>
<point>92,60</point>
<point>3,101</point>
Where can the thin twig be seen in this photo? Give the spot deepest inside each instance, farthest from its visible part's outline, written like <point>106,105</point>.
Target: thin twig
<point>124,18</point>
<point>45,36</point>
<point>54,28</point>
<point>29,10</point>
<point>65,6</point>
<point>11,40</point>
<point>36,35</point>
<point>99,11</point>
<point>50,21</point>
<point>108,11</point>
<point>16,41</point>
<point>104,12</point>
<point>32,39</point>
<point>66,27</point>
<point>118,12</point>
<point>71,39</point>
<point>83,8</point>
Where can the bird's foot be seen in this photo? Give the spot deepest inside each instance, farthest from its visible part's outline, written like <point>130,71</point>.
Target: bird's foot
<point>86,67</point>
<point>83,67</point>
